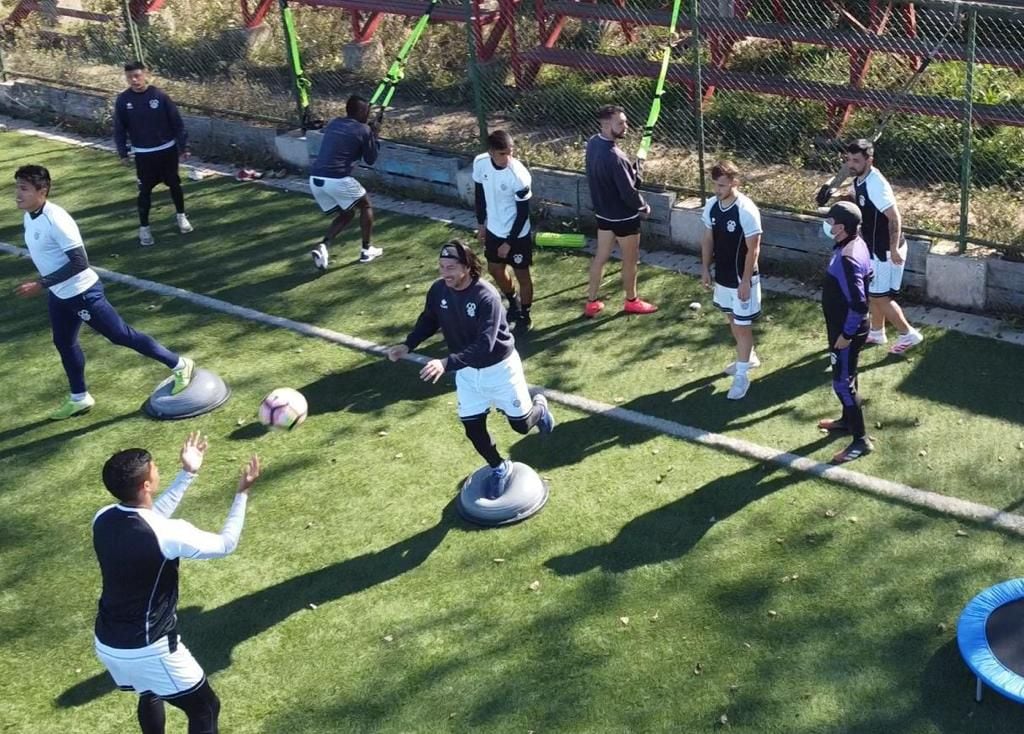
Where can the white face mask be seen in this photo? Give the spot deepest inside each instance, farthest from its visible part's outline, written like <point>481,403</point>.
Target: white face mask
<point>827,229</point>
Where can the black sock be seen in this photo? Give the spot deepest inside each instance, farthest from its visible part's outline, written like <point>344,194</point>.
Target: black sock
<point>526,309</point>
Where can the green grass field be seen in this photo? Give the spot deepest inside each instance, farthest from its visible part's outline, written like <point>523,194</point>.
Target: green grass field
<point>724,589</point>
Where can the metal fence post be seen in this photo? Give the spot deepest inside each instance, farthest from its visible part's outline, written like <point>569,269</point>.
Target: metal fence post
<point>474,73</point>
<point>133,31</point>
<point>698,98</point>
<point>968,127</point>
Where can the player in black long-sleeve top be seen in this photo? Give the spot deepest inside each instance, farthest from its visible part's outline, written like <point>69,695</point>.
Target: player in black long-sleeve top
<point>482,354</point>
<point>148,117</point>
<point>844,300</point>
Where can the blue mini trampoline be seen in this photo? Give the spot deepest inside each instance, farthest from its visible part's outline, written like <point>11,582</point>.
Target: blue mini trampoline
<point>990,634</point>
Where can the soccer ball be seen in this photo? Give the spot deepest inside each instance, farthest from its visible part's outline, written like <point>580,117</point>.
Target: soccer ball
<point>283,409</point>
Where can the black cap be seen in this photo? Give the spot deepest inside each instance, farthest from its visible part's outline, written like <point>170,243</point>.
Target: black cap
<point>847,214</point>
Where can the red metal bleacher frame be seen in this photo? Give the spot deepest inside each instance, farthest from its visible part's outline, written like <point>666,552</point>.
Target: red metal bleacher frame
<point>723,33</point>
<point>488,26</point>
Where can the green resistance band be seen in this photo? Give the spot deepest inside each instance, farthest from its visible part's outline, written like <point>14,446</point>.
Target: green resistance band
<point>386,89</point>
<point>659,90</point>
<point>302,83</point>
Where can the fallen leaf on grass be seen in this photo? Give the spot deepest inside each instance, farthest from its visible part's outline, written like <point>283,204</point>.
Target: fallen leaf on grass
<point>698,669</point>
<point>961,533</point>
<point>624,621</point>
<point>534,586</point>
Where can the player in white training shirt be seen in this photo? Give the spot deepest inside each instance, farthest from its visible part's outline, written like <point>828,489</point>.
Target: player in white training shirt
<point>138,546</point>
<point>732,241</point>
<point>502,186</point>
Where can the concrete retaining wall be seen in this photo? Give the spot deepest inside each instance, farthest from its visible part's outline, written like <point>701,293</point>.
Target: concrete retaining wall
<point>791,242</point>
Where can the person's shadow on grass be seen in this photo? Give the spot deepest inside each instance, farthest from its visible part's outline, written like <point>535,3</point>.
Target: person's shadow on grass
<point>672,530</point>
<point>213,634</point>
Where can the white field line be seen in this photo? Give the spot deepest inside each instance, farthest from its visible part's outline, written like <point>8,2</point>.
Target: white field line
<point>952,506</point>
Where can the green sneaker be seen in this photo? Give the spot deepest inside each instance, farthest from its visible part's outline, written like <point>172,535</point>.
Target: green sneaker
<point>183,376</point>
<point>72,407</point>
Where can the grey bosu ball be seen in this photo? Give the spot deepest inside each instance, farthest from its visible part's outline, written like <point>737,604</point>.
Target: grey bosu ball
<point>525,495</point>
<point>204,393</point>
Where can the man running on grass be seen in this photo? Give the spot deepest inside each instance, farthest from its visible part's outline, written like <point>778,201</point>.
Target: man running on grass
<point>732,241</point>
<point>148,117</point>
<point>619,208</point>
<point>482,354</point>
<point>346,140</point>
<point>844,300</point>
<point>138,546</point>
<point>502,186</point>
<point>75,292</point>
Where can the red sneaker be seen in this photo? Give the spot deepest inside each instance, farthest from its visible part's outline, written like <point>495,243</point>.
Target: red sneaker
<point>593,308</point>
<point>639,307</point>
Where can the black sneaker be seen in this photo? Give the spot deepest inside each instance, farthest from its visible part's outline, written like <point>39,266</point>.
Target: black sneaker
<point>524,323</point>
<point>860,447</point>
<point>833,426</point>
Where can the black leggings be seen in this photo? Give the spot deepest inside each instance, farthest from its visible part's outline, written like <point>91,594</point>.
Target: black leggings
<point>201,705</point>
<point>160,167</point>
<point>477,433</point>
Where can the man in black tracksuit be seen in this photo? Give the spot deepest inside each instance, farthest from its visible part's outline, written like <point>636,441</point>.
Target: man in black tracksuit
<point>148,117</point>
<point>482,354</point>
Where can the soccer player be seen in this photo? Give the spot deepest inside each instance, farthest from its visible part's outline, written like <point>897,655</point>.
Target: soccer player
<point>138,547</point>
<point>882,230</point>
<point>732,240</point>
<point>482,354</point>
<point>844,300</point>
<point>503,194</point>
<point>148,117</point>
<point>75,292</point>
<point>619,208</point>
<point>346,140</point>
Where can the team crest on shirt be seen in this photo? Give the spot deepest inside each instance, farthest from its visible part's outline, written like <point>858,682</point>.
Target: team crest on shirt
<point>714,221</point>
<point>35,234</point>
<point>130,106</point>
<point>862,201</point>
<point>84,315</point>
<point>154,103</point>
<point>444,303</point>
<point>517,403</point>
<point>504,187</point>
<point>731,226</point>
<point>471,310</point>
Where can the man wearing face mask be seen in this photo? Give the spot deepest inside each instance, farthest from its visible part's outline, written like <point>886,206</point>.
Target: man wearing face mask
<point>844,300</point>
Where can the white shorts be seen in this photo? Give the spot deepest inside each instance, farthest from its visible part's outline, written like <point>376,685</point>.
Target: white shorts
<point>153,668</point>
<point>743,312</point>
<point>888,277</point>
<point>336,193</point>
<point>502,385</point>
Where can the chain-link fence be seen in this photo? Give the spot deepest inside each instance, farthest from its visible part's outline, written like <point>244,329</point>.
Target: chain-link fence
<point>777,85</point>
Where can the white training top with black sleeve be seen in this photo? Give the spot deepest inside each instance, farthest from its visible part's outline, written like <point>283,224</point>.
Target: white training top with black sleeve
<point>503,187</point>
<point>874,196</point>
<point>138,551</point>
<point>48,237</point>
<point>730,227</point>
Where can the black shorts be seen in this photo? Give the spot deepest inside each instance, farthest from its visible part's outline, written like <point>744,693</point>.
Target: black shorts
<point>624,228</point>
<point>520,256</point>
<point>159,167</point>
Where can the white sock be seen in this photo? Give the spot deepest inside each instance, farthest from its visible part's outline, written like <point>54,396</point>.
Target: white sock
<point>79,396</point>
<point>180,365</point>
<point>878,334</point>
<point>741,368</point>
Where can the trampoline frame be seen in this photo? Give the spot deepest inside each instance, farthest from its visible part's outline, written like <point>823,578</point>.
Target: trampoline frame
<point>972,639</point>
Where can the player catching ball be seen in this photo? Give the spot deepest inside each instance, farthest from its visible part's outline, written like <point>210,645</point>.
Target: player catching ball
<point>732,241</point>
<point>482,354</point>
<point>138,547</point>
<point>76,294</point>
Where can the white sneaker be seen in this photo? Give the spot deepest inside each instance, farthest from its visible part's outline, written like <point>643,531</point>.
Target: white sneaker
<point>146,237</point>
<point>320,256</point>
<point>184,226</point>
<point>911,339</point>
<point>740,385</point>
<point>876,337</point>
<point>730,369</point>
<point>369,254</point>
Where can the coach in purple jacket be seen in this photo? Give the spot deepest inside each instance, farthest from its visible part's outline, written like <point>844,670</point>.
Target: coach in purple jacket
<point>844,299</point>
<point>148,118</point>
